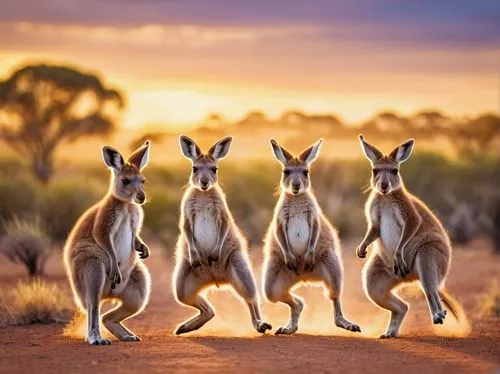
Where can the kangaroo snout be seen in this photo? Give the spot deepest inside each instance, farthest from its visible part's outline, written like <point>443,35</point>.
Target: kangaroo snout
<point>296,187</point>
<point>384,187</point>
<point>204,182</point>
<point>140,198</point>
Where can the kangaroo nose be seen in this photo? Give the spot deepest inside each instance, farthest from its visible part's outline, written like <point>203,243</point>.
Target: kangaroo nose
<point>296,186</point>
<point>204,182</point>
<point>140,198</point>
<point>384,186</point>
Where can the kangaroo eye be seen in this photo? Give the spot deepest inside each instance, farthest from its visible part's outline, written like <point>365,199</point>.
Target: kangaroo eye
<point>143,181</point>
<point>394,171</point>
<point>125,181</point>
<point>213,169</point>
<point>375,172</point>
<point>195,169</point>
<point>306,173</point>
<point>286,173</point>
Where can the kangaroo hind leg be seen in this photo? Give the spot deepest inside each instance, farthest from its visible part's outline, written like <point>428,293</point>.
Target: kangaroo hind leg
<point>243,283</point>
<point>277,284</point>
<point>378,283</point>
<point>331,272</point>
<point>187,288</point>
<point>92,275</point>
<point>430,279</point>
<point>133,298</point>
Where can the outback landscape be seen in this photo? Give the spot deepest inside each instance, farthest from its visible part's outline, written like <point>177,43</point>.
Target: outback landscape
<point>35,310</point>
<point>75,76</point>
<point>228,343</point>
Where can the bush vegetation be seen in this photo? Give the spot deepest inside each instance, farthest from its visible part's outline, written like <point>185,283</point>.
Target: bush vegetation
<point>35,302</point>
<point>26,243</point>
<point>443,183</point>
<point>489,301</point>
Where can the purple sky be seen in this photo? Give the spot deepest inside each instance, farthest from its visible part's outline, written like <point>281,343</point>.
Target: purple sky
<point>315,54</point>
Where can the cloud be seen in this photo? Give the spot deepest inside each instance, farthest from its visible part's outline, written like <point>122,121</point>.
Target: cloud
<point>438,24</point>
<point>157,34</point>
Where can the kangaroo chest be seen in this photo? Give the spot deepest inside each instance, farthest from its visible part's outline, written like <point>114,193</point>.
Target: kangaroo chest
<point>205,228</point>
<point>124,239</point>
<point>298,230</point>
<point>390,230</point>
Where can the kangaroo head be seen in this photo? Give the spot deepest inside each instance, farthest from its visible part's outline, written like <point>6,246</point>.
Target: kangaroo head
<point>204,172</point>
<point>127,183</point>
<point>385,168</point>
<point>295,177</point>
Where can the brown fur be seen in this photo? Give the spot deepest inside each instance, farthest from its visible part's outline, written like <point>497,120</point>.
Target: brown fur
<point>98,263</point>
<point>313,251</point>
<point>211,249</point>
<point>410,242</point>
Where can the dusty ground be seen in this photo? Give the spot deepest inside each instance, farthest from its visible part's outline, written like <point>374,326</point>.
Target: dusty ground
<point>228,343</point>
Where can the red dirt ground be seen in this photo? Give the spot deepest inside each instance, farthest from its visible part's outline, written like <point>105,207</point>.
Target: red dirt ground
<point>228,343</point>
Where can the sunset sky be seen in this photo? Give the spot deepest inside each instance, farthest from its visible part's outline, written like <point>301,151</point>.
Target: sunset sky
<point>180,60</point>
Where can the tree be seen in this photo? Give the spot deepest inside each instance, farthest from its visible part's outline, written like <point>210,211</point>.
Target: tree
<point>477,135</point>
<point>386,123</point>
<point>429,123</point>
<point>253,119</point>
<point>44,106</point>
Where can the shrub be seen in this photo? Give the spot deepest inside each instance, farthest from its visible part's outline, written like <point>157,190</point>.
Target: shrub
<point>25,242</point>
<point>36,302</point>
<point>249,191</point>
<point>20,195</point>
<point>489,302</point>
<point>161,214</point>
<point>64,202</point>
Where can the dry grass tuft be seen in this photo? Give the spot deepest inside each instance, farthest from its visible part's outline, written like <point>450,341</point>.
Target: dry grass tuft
<point>489,302</point>
<point>35,302</point>
<point>25,242</point>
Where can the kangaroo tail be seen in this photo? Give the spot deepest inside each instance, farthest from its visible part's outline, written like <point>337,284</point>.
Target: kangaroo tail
<point>453,306</point>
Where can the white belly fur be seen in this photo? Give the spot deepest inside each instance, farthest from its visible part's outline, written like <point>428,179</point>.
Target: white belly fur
<point>123,242</point>
<point>298,234</point>
<point>205,232</point>
<point>390,233</point>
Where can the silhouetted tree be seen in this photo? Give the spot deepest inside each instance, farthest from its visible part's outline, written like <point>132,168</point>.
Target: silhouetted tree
<point>253,119</point>
<point>214,120</point>
<point>43,106</point>
<point>293,118</point>
<point>387,123</point>
<point>328,121</point>
<point>429,123</point>
<point>476,135</point>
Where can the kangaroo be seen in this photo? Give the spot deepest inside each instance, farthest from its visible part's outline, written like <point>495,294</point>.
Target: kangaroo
<point>103,249</point>
<point>210,249</point>
<point>410,242</point>
<point>301,244</point>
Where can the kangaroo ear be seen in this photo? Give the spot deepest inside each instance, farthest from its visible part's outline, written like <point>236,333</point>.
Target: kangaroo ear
<point>189,148</point>
<point>112,158</point>
<point>370,151</point>
<point>401,153</point>
<point>140,157</point>
<point>281,154</point>
<point>220,149</point>
<point>308,155</point>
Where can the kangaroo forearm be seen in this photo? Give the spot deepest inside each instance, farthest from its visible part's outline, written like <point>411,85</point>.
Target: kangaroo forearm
<point>106,244</point>
<point>314,237</point>
<point>138,242</point>
<point>188,232</point>
<point>223,232</point>
<point>280,237</point>
<point>371,235</point>
<point>407,233</point>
